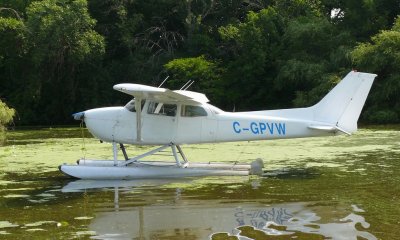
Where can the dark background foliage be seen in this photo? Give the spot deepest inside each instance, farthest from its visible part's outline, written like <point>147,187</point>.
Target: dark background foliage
<point>62,56</point>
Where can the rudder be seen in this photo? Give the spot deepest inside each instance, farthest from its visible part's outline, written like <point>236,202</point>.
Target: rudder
<point>343,104</point>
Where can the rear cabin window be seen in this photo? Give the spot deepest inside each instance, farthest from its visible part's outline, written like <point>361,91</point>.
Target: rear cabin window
<point>193,111</point>
<point>163,109</point>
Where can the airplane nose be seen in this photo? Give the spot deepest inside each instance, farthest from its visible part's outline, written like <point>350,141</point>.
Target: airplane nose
<point>78,115</point>
<point>101,121</point>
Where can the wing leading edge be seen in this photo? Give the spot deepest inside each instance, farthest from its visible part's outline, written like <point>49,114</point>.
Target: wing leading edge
<point>160,94</point>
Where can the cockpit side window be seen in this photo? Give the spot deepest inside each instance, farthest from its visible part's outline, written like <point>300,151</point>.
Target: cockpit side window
<point>163,109</point>
<point>131,105</point>
<point>193,111</point>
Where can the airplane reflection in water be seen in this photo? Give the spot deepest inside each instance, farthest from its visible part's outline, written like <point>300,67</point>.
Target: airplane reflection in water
<point>192,218</point>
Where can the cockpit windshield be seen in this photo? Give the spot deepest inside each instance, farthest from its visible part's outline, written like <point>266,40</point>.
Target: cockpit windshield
<point>214,109</point>
<point>131,105</point>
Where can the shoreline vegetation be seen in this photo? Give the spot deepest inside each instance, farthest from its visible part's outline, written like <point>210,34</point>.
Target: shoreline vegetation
<point>58,57</point>
<point>6,117</point>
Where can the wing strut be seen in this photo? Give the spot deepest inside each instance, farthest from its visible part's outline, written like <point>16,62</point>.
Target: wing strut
<point>138,108</point>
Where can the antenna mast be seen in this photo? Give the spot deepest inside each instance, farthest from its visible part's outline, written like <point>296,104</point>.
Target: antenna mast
<point>163,81</point>
<point>188,85</point>
<point>184,85</point>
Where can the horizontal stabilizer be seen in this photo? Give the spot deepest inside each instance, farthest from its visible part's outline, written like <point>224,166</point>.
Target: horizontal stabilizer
<point>328,128</point>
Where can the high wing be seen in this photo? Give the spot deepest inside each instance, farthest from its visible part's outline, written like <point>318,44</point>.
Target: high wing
<point>160,94</point>
<point>157,94</point>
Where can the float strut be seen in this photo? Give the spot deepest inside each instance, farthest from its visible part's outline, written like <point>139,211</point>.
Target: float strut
<point>137,158</point>
<point>173,147</point>
<point>183,164</point>
<point>178,162</point>
<point>115,152</point>
<point>123,151</point>
<point>182,154</point>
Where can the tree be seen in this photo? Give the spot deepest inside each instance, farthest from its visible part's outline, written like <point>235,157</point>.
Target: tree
<point>203,72</point>
<point>62,44</point>
<point>61,56</point>
<point>13,38</point>
<point>381,56</point>
<point>249,51</point>
<point>312,60</point>
<point>6,116</point>
<point>362,18</point>
<point>14,63</point>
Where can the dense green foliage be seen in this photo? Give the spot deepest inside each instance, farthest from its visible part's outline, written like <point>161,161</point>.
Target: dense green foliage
<point>62,56</point>
<point>6,116</point>
<point>382,56</point>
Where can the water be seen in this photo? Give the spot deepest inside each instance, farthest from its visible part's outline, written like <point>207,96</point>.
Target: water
<point>320,188</point>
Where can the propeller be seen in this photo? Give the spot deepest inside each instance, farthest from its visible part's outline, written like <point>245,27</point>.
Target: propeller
<point>78,115</point>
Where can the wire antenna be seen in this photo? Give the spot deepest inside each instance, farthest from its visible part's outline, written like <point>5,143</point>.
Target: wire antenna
<point>188,85</point>
<point>163,81</point>
<point>184,85</point>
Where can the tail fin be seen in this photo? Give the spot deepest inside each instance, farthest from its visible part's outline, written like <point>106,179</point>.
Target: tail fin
<point>342,106</point>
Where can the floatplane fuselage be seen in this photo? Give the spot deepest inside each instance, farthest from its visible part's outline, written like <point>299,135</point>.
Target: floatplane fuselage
<point>159,116</point>
<point>207,125</point>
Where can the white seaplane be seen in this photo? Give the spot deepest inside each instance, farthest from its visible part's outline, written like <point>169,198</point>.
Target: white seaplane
<point>159,116</point>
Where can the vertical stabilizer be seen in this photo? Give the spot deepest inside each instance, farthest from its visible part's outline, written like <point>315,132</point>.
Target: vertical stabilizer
<point>343,104</point>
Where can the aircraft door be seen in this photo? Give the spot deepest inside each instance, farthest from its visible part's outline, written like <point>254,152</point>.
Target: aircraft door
<point>209,129</point>
<point>159,123</point>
